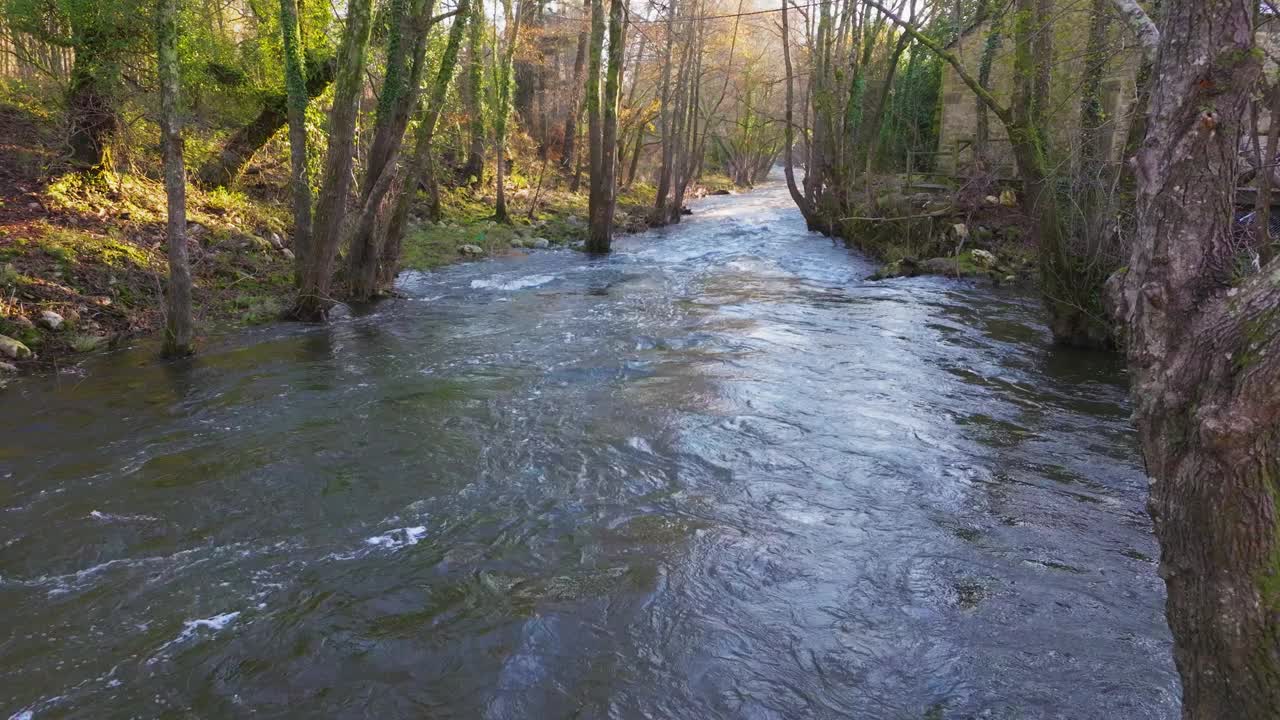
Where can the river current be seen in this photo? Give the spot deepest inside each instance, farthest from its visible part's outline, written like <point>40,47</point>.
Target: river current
<point>717,474</point>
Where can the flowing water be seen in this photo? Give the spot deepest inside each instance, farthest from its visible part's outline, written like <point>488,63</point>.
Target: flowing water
<point>714,475</point>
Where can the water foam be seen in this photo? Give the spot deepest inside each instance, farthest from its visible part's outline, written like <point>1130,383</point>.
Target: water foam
<point>520,283</point>
<point>398,538</point>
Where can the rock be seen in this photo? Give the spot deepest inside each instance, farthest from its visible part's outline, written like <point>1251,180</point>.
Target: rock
<point>8,367</point>
<point>253,242</point>
<point>51,320</point>
<point>992,200</point>
<point>573,220</point>
<point>983,234</point>
<point>34,206</point>
<point>13,349</point>
<point>940,266</point>
<point>982,258</point>
<point>721,191</point>
<point>1008,198</point>
<point>685,210</point>
<point>960,231</point>
<point>471,250</point>
<point>287,253</point>
<point>1011,278</point>
<point>22,321</point>
<point>198,233</point>
<point>276,241</point>
<point>539,243</point>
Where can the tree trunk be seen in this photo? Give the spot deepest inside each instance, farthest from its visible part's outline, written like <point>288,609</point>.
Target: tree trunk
<point>569,159</point>
<point>179,335</point>
<point>527,70</point>
<point>422,165</point>
<point>982,135</point>
<point>223,169</point>
<point>1092,180</point>
<point>91,106</point>
<point>1204,354</point>
<point>688,135</point>
<point>595,128</point>
<point>399,97</point>
<point>635,157</point>
<point>502,113</point>
<point>473,171</point>
<point>665,136</point>
<point>604,188</point>
<point>298,95</point>
<point>313,299</point>
<point>788,164</point>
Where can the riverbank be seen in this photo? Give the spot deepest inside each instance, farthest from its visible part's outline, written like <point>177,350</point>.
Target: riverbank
<point>82,262</point>
<point>686,460</point>
<point>924,229</point>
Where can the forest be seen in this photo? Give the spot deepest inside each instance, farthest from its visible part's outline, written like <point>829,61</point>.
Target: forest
<point>616,282</point>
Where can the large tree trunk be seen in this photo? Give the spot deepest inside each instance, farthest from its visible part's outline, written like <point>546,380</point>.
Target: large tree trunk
<point>314,300</point>
<point>1205,359</point>
<point>223,169</point>
<point>398,98</point>
<point>298,95</point>
<point>179,335</point>
<point>604,186</point>
<point>421,167</point>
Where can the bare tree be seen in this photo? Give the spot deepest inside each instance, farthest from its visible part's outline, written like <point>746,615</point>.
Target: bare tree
<point>179,335</point>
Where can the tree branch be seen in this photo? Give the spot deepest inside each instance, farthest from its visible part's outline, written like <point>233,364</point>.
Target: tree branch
<point>1142,26</point>
<point>985,95</point>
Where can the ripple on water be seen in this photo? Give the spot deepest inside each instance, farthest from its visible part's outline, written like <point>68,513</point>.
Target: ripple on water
<point>715,474</point>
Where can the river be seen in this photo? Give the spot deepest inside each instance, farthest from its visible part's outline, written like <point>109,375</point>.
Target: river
<point>716,474</point>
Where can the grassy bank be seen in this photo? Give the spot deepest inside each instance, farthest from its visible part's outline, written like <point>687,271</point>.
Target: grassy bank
<point>83,262</point>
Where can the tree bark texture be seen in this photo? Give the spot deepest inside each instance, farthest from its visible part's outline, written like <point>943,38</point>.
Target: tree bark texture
<point>179,334</point>
<point>1204,351</point>
<point>313,299</point>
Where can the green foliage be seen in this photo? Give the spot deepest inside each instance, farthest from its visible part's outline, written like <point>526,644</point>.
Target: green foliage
<point>914,109</point>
